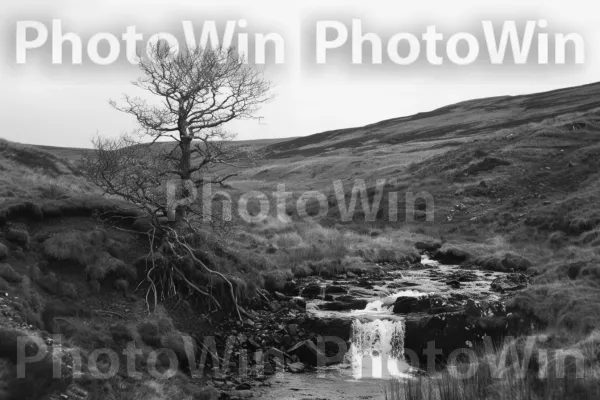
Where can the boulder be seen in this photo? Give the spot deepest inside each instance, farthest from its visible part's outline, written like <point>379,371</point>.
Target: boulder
<point>407,305</point>
<point>454,284</point>
<point>335,290</point>
<point>279,296</point>
<point>338,327</point>
<point>300,302</point>
<point>290,288</point>
<point>504,262</point>
<point>359,304</point>
<point>312,291</point>
<point>296,367</point>
<point>451,255</point>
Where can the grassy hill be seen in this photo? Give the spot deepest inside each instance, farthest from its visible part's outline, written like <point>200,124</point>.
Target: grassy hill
<point>458,121</point>
<point>28,172</point>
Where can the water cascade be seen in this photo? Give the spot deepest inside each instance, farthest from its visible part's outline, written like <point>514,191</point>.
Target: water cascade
<point>377,349</point>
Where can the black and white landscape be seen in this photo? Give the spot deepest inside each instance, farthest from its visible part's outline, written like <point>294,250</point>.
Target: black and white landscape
<point>171,227</point>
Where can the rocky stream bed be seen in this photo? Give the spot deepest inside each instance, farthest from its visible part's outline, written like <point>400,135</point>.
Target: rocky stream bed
<point>342,338</point>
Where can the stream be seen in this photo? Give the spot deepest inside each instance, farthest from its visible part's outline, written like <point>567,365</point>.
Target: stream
<point>376,334</point>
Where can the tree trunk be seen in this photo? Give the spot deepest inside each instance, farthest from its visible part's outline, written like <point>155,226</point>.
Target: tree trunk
<point>186,155</point>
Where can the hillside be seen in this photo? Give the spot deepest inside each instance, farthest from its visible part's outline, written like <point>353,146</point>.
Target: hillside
<point>465,119</point>
<point>28,172</point>
<point>73,153</point>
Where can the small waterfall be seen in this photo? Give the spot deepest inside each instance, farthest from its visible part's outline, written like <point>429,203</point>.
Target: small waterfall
<point>323,289</point>
<point>377,349</point>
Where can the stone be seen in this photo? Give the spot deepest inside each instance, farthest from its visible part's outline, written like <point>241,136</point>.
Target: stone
<point>300,302</point>
<point>451,255</point>
<point>292,329</point>
<point>279,296</point>
<point>407,305</point>
<point>292,305</point>
<point>291,288</point>
<point>359,304</point>
<point>312,291</point>
<point>453,284</point>
<point>296,367</point>
<point>335,290</point>
<point>473,309</point>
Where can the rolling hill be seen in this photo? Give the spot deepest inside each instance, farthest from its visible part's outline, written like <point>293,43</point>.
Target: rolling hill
<point>465,119</point>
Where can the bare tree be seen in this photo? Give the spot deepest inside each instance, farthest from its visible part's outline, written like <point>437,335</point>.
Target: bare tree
<point>199,90</point>
<point>194,94</point>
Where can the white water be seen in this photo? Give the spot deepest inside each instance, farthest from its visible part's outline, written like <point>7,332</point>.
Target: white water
<point>382,306</point>
<point>377,349</point>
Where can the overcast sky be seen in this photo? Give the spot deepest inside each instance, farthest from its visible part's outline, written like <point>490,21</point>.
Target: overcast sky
<point>65,105</point>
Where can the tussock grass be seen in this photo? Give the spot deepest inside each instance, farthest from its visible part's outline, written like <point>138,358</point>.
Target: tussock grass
<point>91,250</point>
<point>67,246</point>
<point>533,368</point>
<point>106,264</point>
<point>283,251</point>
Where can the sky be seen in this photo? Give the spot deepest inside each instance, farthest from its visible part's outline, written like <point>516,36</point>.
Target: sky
<point>66,105</point>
